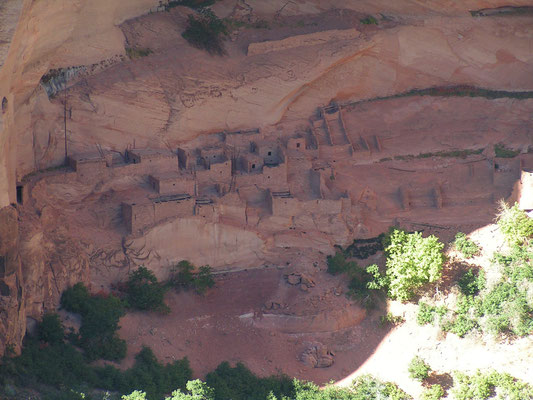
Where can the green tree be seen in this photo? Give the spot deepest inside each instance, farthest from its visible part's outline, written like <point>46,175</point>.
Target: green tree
<point>204,279</point>
<point>514,223</point>
<point>419,369</point>
<point>145,292</point>
<point>50,329</point>
<point>136,395</point>
<point>206,31</point>
<point>196,390</point>
<point>412,261</point>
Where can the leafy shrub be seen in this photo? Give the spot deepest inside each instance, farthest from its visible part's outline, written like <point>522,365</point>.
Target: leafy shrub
<point>514,223</point>
<point>135,395</point>
<point>507,309</point>
<point>412,261</point>
<point>471,283</point>
<point>367,387</point>
<point>145,292</point>
<point>360,279</point>
<point>391,319</point>
<point>426,313</point>
<point>503,152</point>
<point>50,329</point>
<point>206,32</point>
<point>183,276</point>
<point>464,318</point>
<point>338,264</point>
<point>156,379</point>
<point>100,316</point>
<point>466,246</point>
<point>434,392</point>
<point>134,53</point>
<point>239,383</point>
<point>195,4</point>
<point>196,390</point>
<point>370,20</point>
<point>477,386</point>
<point>418,369</point>
<point>204,279</point>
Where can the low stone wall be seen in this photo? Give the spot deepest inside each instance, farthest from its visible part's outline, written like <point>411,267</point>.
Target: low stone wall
<point>311,39</point>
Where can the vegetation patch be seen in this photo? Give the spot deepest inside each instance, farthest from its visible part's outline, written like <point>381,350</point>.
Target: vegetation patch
<point>100,315</point>
<point>434,392</point>
<point>360,279</point>
<point>134,53</point>
<point>505,11</point>
<point>186,276</point>
<point>491,384</point>
<point>454,91</point>
<point>144,292</point>
<point>418,369</point>
<point>67,374</point>
<point>412,261</point>
<point>206,31</point>
<point>194,4</point>
<point>239,383</point>
<point>465,246</point>
<point>503,152</point>
<point>445,154</point>
<point>505,306</point>
<point>370,20</point>
<point>515,225</point>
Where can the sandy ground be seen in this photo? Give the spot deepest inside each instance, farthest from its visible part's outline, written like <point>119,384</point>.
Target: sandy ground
<point>213,328</point>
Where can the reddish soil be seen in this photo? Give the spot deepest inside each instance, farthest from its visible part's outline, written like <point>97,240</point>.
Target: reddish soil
<point>207,329</point>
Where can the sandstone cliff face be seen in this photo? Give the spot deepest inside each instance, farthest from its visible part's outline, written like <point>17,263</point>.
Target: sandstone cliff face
<point>178,93</point>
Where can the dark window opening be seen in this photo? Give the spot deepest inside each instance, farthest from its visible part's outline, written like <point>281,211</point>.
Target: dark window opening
<point>19,194</point>
<point>297,144</point>
<point>496,166</point>
<point>253,166</point>
<point>4,105</point>
<point>269,153</point>
<point>4,289</point>
<point>2,266</point>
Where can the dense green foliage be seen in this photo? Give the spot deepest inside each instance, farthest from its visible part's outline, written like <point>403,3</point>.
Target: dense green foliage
<point>482,385</point>
<point>196,390</point>
<point>434,392</point>
<point>370,20</point>
<point>426,313</point>
<point>134,52</point>
<point>183,275</point>
<point>466,246</point>
<point>338,264</point>
<point>503,152</point>
<point>412,261</point>
<point>195,4</point>
<point>239,383</point>
<point>418,369</point>
<point>206,31</point>
<point>471,282</point>
<point>48,359</point>
<point>514,223</point>
<point>100,316</point>
<point>145,292</point>
<point>504,307</point>
<point>50,330</point>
